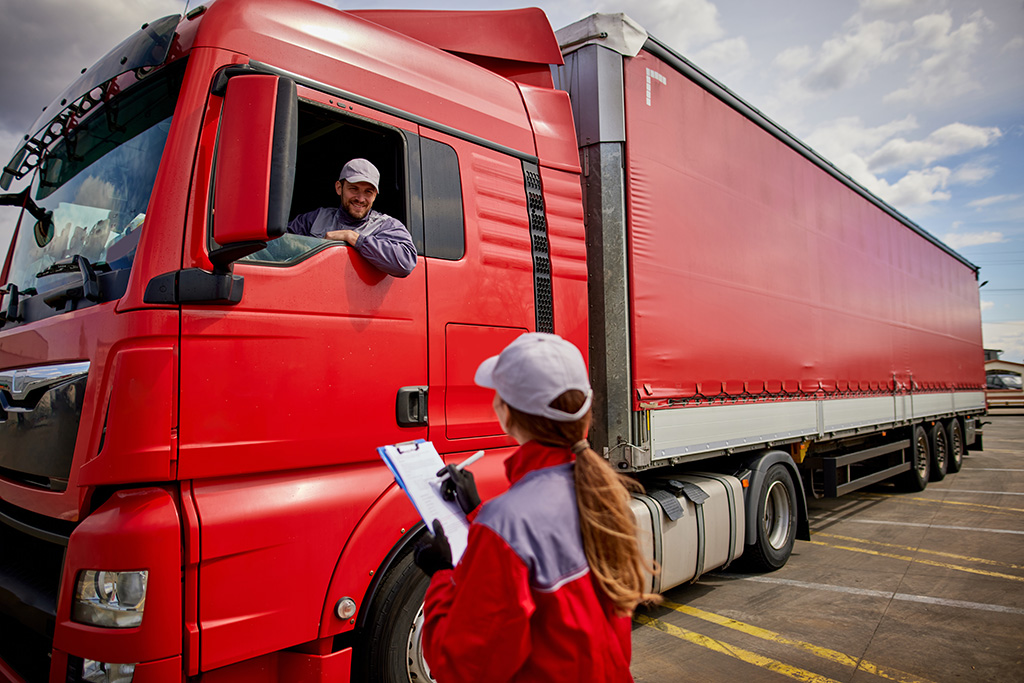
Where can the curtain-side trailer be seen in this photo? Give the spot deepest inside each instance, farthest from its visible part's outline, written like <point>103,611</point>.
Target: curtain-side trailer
<point>755,311</point>
<point>190,397</point>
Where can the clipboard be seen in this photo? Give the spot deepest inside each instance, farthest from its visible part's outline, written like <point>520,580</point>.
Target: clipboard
<point>414,465</point>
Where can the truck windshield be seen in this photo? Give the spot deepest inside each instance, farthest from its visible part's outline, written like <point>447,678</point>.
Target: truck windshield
<point>96,183</point>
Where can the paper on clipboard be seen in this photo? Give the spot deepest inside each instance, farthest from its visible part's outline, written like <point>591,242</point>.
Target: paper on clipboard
<point>415,465</point>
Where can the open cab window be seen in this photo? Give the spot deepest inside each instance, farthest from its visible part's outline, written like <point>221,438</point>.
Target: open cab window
<point>419,182</point>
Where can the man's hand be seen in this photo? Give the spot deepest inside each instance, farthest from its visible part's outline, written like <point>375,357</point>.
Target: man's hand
<point>459,486</point>
<point>347,236</point>
<point>432,552</point>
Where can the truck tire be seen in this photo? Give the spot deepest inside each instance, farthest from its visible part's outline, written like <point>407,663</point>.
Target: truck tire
<point>391,649</point>
<point>916,479</point>
<point>939,444</point>
<point>955,440</point>
<point>776,522</point>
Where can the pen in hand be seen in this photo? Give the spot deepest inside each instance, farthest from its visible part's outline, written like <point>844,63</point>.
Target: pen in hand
<point>443,472</point>
<point>457,483</point>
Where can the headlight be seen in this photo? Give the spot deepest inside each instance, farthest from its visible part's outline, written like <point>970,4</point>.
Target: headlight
<point>111,599</point>
<point>103,672</point>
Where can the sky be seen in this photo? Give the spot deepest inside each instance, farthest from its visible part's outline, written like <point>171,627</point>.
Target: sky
<point>920,101</point>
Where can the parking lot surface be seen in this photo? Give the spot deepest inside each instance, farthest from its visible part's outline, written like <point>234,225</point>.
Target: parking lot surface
<point>911,587</point>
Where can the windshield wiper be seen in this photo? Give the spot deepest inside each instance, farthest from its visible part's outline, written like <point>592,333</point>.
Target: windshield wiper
<point>87,288</point>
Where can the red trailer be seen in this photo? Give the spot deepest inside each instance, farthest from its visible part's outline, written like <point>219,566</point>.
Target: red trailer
<point>192,397</point>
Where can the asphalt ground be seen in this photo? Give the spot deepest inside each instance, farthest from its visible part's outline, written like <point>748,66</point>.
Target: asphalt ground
<point>911,587</point>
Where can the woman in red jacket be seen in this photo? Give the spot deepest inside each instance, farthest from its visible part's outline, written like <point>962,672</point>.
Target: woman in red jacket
<point>552,570</point>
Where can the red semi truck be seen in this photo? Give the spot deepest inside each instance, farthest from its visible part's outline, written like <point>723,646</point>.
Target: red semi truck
<point>191,399</point>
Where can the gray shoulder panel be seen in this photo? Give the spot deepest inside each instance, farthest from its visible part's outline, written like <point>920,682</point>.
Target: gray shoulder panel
<point>539,520</point>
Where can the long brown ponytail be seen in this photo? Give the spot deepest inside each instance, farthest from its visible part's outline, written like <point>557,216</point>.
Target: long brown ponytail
<point>602,496</point>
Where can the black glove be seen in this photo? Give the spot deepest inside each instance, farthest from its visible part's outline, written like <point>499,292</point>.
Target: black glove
<point>461,486</point>
<point>432,552</point>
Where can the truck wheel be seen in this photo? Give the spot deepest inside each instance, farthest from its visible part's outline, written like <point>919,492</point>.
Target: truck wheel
<point>940,452</point>
<point>955,441</point>
<point>391,650</point>
<point>920,463</point>
<point>776,521</point>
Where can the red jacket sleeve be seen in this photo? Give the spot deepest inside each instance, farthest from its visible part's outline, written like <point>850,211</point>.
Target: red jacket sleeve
<point>477,616</point>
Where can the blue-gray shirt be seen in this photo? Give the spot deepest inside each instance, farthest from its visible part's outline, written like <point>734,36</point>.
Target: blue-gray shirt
<point>383,240</point>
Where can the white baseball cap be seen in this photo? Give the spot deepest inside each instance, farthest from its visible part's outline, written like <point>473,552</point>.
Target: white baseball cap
<point>361,171</point>
<point>533,371</point>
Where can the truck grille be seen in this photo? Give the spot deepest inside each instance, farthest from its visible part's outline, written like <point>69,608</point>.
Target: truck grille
<point>40,409</point>
<point>30,571</point>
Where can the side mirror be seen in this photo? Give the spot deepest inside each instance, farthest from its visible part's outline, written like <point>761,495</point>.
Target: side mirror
<point>254,171</point>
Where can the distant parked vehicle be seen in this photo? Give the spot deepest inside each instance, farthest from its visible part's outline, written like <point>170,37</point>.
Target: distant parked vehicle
<point>1007,381</point>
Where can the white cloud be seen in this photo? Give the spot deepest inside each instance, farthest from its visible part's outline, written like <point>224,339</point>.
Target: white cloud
<point>943,58</point>
<point>724,55</point>
<point>997,199</point>
<point>972,174</point>
<point>865,152</point>
<point>916,188</point>
<point>985,305</point>
<point>683,24</point>
<point>1016,43</point>
<point>972,239</point>
<point>849,134</point>
<point>886,6</point>
<point>956,138</point>
<point>1008,336</point>
<point>848,59</point>
<point>793,58</point>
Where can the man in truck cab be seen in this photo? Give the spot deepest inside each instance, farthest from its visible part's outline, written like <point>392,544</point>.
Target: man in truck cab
<point>380,239</point>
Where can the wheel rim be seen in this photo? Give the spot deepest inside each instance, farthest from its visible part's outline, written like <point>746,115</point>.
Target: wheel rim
<point>922,456</point>
<point>416,665</point>
<point>941,451</point>
<point>777,515</point>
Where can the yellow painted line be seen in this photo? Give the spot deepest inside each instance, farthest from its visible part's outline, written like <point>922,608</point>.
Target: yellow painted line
<point>952,556</point>
<point>823,652</point>
<point>738,653</point>
<point>919,560</point>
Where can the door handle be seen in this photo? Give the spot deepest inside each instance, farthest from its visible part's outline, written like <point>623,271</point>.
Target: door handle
<point>411,406</point>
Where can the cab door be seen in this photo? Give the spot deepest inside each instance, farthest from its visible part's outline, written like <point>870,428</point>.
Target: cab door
<point>311,366</point>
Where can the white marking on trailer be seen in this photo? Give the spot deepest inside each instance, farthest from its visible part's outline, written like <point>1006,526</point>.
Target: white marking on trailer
<point>653,75</point>
<point>929,526</point>
<point>926,599</point>
<point>987,493</point>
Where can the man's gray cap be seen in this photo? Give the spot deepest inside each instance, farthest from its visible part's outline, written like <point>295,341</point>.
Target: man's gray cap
<point>533,371</point>
<point>361,171</point>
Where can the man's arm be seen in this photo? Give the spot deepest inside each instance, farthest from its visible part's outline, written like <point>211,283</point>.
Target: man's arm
<point>389,248</point>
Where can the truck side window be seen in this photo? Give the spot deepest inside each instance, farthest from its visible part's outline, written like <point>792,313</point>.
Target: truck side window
<point>327,140</point>
<point>442,201</point>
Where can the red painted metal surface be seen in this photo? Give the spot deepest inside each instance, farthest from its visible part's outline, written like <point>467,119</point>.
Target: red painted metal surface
<point>750,266</point>
<point>108,341</point>
<point>318,42</point>
<point>522,35</point>
<point>246,139</point>
<point>134,530</point>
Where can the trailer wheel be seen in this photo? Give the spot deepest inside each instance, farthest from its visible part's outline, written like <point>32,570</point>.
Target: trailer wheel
<point>776,521</point>
<point>920,463</point>
<point>940,452</point>
<point>392,644</point>
<point>956,445</point>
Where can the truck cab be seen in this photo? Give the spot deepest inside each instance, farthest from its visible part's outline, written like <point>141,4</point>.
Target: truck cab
<point>193,397</point>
